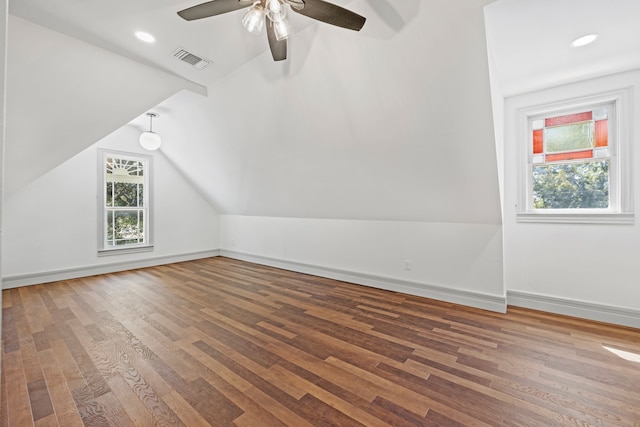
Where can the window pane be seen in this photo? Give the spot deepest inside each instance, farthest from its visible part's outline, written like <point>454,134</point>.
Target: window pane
<point>571,118</point>
<point>141,195</point>
<point>571,185</point>
<point>109,201</point>
<point>125,194</point>
<point>121,170</point>
<point>572,155</point>
<point>602,133</point>
<point>110,236</point>
<point>575,136</point>
<point>125,227</point>
<point>538,145</point>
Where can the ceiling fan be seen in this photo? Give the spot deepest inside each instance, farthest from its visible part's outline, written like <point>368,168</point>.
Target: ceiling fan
<point>275,11</point>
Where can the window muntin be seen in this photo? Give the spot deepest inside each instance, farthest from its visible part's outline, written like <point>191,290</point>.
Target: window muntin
<point>571,166</point>
<point>124,202</point>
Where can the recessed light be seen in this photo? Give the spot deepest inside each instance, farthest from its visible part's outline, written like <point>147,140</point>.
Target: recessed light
<point>145,37</point>
<point>584,40</point>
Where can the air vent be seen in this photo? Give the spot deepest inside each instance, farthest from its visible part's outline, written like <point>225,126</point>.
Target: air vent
<point>185,56</point>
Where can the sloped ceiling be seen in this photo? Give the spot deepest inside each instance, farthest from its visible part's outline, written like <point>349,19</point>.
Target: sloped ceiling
<point>64,95</point>
<point>390,123</point>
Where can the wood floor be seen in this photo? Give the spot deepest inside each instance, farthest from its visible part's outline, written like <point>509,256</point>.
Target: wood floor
<point>226,343</point>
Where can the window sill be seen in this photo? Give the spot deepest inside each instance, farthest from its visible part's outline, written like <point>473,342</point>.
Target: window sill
<point>124,251</point>
<point>577,218</point>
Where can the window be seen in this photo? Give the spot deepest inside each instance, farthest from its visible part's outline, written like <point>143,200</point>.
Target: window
<point>571,160</point>
<point>125,203</point>
<point>575,165</point>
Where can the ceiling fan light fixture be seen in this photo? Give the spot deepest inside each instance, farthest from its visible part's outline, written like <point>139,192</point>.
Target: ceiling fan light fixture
<point>149,140</point>
<point>282,29</point>
<point>253,20</point>
<point>273,14</point>
<point>276,11</point>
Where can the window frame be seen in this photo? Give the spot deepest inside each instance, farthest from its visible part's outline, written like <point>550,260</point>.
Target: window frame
<point>620,202</point>
<point>147,245</point>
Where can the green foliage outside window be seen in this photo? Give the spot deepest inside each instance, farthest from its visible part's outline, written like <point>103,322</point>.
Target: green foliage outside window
<point>125,227</point>
<point>124,194</point>
<point>571,185</point>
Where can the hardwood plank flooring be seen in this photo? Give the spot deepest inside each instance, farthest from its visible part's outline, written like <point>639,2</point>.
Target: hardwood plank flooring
<point>222,342</point>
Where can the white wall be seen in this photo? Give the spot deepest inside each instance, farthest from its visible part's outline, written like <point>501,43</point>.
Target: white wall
<point>586,270</point>
<point>349,166</point>
<point>51,224</point>
<point>460,263</point>
<point>351,127</point>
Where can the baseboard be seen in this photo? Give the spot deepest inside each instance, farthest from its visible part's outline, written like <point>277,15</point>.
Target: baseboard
<point>586,310</point>
<point>92,270</point>
<point>472,299</point>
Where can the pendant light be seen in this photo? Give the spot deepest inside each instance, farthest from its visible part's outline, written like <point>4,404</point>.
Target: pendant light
<point>150,140</point>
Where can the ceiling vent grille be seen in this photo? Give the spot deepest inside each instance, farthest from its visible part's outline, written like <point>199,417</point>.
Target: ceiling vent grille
<point>185,56</point>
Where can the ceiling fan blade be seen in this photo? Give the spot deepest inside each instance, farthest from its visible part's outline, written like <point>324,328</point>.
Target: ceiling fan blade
<point>213,8</point>
<point>278,47</point>
<point>332,14</point>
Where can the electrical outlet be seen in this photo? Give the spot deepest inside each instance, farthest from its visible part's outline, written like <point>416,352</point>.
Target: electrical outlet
<point>407,265</point>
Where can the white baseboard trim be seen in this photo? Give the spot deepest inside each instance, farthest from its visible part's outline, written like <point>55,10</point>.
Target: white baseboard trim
<point>586,310</point>
<point>10,282</point>
<point>472,299</point>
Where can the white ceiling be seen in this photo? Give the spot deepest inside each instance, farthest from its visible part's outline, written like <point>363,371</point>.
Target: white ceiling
<point>393,122</point>
<point>531,40</point>
<point>222,39</point>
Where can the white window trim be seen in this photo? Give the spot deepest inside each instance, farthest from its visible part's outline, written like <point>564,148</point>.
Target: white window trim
<point>622,212</point>
<point>144,247</point>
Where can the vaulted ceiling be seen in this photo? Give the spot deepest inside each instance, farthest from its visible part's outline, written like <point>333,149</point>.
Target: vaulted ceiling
<point>394,122</point>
